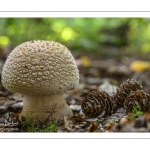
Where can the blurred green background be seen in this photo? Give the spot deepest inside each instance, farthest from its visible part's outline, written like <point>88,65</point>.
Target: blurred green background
<point>99,35</point>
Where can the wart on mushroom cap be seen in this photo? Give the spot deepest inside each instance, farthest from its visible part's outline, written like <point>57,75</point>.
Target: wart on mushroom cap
<point>42,71</point>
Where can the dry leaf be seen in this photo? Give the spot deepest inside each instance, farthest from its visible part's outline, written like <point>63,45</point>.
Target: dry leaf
<point>78,118</point>
<point>93,127</point>
<point>85,61</point>
<point>109,126</point>
<point>126,120</point>
<point>68,123</point>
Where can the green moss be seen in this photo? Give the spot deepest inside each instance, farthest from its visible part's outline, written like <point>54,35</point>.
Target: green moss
<point>28,124</point>
<point>136,112</point>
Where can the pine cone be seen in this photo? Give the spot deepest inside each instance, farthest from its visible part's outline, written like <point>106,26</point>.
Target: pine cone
<point>148,105</point>
<point>137,98</point>
<point>125,89</point>
<point>96,104</point>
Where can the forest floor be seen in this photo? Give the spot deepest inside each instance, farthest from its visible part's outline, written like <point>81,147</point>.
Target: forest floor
<point>96,73</point>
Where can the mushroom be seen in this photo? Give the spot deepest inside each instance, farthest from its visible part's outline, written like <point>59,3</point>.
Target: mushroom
<point>42,71</point>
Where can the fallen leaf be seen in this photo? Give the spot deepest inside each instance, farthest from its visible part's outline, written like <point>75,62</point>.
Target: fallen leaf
<point>109,126</point>
<point>93,127</point>
<point>85,61</point>
<point>140,66</point>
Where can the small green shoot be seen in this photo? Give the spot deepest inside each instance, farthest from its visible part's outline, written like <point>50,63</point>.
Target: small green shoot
<point>114,121</point>
<point>99,121</point>
<point>136,112</point>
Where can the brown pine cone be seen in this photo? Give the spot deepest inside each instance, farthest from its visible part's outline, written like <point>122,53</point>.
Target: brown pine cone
<point>137,98</point>
<point>148,105</point>
<point>97,104</point>
<point>125,89</point>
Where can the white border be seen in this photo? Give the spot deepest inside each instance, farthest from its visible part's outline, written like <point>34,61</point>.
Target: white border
<point>75,14</point>
<point>74,5</point>
<point>97,135</point>
<point>88,9</point>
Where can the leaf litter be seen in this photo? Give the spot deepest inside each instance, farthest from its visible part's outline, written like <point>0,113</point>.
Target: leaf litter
<point>96,74</point>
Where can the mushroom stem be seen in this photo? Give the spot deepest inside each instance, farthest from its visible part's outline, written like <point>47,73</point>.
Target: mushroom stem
<point>46,107</point>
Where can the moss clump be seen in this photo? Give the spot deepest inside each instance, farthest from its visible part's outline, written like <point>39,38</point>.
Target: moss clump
<point>28,124</point>
<point>136,112</point>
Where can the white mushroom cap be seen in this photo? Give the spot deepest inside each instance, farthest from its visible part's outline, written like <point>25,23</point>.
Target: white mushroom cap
<point>40,68</point>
